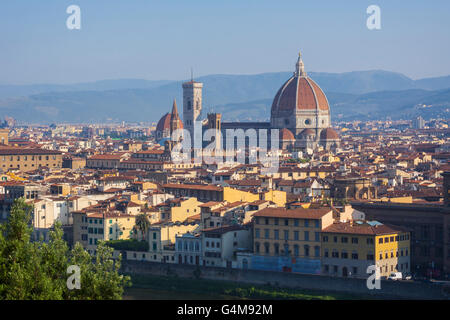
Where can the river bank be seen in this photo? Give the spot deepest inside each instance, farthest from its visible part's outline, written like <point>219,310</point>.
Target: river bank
<point>150,287</point>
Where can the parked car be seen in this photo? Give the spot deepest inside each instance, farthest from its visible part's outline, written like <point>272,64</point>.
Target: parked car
<point>395,276</point>
<point>407,276</point>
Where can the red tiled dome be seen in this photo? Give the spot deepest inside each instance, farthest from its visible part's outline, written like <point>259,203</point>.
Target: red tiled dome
<point>307,132</point>
<point>164,123</point>
<point>329,134</point>
<point>286,135</point>
<point>301,93</point>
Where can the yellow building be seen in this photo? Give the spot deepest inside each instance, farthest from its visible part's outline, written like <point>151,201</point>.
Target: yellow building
<point>179,209</point>
<point>289,240</point>
<point>29,159</point>
<point>276,196</point>
<point>207,193</point>
<point>161,238</point>
<point>348,248</point>
<point>91,227</point>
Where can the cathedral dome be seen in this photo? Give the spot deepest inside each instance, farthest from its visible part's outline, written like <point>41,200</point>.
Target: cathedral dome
<point>299,93</point>
<point>164,122</point>
<point>329,134</point>
<point>307,133</point>
<point>286,135</point>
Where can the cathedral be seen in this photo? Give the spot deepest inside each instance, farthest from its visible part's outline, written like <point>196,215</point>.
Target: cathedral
<point>300,111</point>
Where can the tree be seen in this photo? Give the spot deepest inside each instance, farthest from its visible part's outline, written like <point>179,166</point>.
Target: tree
<point>143,223</point>
<point>38,270</point>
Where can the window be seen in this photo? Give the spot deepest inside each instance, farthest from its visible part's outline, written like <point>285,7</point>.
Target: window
<point>317,236</point>
<point>370,256</point>
<point>344,239</point>
<point>306,250</point>
<point>296,237</point>
<point>317,251</point>
<point>266,233</point>
<point>325,238</point>
<point>275,234</point>
<point>380,240</point>
<point>306,235</point>
<point>275,221</point>
<point>296,222</point>
<point>335,239</point>
<point>286,234</point>
<point>386,240</point>
<point>296,250</point>
<point>344,255</point>
<point>355,240</point>
<point>257,233</point>
<point>369,241</point>
<point>277,248</point>
<point>306,223</point>
<point>355,256</point>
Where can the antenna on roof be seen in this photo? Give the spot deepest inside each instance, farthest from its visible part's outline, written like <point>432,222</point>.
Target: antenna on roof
<point>192,74</point>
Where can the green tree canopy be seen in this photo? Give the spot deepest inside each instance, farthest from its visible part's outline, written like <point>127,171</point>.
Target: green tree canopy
<point>37,270</point>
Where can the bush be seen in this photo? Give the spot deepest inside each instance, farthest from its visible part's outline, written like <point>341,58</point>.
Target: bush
<point>128,245</point>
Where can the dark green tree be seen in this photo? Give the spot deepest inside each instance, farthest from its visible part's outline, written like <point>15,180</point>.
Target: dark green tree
<point>143,224</point>
<point>37,270</point>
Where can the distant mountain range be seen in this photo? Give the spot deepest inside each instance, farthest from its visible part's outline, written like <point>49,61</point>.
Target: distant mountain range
<point>354,95</point>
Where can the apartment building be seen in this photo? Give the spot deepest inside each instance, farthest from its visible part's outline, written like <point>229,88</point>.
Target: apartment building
<point>289,239</point>
<point>349,248</point>
<point>221,244</point>
<point>89,227</point>
<point>179,209</point>
<point>24,159</point>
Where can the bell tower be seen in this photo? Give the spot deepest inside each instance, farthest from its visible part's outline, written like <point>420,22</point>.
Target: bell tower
<point>192,104</point>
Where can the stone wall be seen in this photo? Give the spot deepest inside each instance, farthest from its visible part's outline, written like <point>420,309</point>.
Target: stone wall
<point>389,289</point>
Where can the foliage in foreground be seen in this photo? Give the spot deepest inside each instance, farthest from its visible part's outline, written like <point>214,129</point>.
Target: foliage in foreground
<point>37,270</point>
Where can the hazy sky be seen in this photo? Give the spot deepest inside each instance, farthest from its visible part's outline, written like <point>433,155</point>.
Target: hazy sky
<point>163,39</point>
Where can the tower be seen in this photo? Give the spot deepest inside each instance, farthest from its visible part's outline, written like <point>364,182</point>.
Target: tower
<point>175,122</point>
<point>192,104</point>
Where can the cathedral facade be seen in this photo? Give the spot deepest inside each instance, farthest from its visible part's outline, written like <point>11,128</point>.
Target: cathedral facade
<point>300,111</point>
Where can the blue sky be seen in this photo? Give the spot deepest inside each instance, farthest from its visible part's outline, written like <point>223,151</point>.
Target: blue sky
<point>162,39</point>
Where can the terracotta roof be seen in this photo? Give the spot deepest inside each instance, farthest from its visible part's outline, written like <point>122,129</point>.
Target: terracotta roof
<point>300,93</point>
<point>192,186</point>
<point>329,134</point>
<point>293,213</point>
<point>363,228</point>
<point>286,135</point>
<point>24,151</point>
